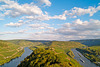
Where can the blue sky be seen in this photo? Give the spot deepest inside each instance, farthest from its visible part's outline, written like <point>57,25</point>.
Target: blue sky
<point>49,19</point>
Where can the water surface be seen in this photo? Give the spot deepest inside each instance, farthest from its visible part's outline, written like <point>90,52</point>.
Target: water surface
<point>86,62</point>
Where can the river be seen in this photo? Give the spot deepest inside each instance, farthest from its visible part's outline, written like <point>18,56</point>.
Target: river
<point>86,62</point>
<point>16,61</point>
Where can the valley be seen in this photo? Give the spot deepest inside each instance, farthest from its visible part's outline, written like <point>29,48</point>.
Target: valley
<point>12,49</point>
<point>62,50</point>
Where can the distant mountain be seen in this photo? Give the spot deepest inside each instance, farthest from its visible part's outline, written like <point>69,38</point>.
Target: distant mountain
<point>18,40</point>
<point>24,42</point>
<point>89,42</point>
<point>42,41</point>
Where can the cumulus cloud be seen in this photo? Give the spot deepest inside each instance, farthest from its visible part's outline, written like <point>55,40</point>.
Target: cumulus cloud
<point>11,24</point>
<point>45,17</point>
<point>46,2</point>
<point>40,26</point>
<point>74,12</point>
<point>78,29</point>
<point>83,29</point>
<point>10,32</point>
<point>33,12</point>
<point>13,9</point>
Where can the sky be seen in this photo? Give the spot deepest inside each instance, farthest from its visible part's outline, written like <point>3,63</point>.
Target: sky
<point>61,20</point>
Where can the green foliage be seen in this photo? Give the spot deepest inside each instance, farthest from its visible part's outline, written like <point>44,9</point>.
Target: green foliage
<point>58,54</point>
<point>3,43</point>
<point>45,58</point>
<point>91,53</point>
<point>41,58</point>
<point>89,42</point>
<point>49,54</point>
<point>24,43</point>
<point>11,49</point>
<point>63,48</point>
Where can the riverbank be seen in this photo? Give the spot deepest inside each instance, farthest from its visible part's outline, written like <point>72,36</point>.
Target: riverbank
<point>92,53</point>
<point>11,49</point>
<point>79,57</point>
<point>16,61</point>
<point>7,59</point>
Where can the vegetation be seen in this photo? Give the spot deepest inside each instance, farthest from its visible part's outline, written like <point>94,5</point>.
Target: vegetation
<point>89,42</point>
<point>13,48</point>
<point>9,51</point>
<point>45,58</point>
<point>46,54</point>
<point>91,53</point>
<point>52,54</point>
<point>24,43</point>
<point>42,45</point>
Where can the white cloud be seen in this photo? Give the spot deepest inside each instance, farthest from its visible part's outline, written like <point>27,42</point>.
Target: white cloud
<point>41,26</point>
<point>80,29</point>
<point>1,19</point>
<point>74,12</point>
<point>46,2</point>
<point>11,24</point>
<point>33,12</point>
<point>21,21</point>
<point>10,32</point>
<point>45,17</point>
<point>14,9</point>
<point>41,36</point>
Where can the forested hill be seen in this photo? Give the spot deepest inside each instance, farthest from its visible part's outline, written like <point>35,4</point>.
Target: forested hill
<point>10,49</point>
<point>56,54</point>
<point>89,42</point>
<point>42,41</point>
<point>23,42</point>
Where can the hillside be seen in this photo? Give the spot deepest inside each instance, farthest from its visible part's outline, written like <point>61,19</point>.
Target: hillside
<point>42,41</point>
<point>46,58</point>
<point>47,55</point>
<point>24,42</point>
<point>89,42</point>
<point>10,49</point>
<point>66,45</point>
<point>92,53</point>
